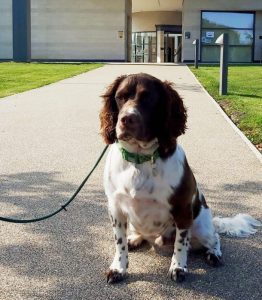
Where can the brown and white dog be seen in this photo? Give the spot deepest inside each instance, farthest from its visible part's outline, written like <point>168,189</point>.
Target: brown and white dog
<point>148,182</point>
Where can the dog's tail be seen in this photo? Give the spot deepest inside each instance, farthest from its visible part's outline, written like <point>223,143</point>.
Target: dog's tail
<point>242,225</point>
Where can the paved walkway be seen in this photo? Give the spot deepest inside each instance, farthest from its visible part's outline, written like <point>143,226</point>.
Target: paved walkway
<point>49,139</point>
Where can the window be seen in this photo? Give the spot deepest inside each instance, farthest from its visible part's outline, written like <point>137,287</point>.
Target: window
<point>144,47</point>
<point>240,29</point>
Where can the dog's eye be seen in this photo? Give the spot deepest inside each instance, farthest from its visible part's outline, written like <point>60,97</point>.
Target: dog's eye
<point>120,100</point>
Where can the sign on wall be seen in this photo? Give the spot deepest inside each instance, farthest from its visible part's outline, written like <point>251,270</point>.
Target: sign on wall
<point>120,34</point>
<point>210,34</point>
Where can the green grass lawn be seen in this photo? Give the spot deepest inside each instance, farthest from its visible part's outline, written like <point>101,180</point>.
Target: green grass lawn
<point>243,104</point>
<point>19,77</point>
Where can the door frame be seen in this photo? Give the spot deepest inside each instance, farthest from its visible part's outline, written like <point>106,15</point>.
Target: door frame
<point>161,30</point>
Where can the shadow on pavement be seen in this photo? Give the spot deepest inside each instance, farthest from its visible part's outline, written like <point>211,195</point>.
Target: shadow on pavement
<point>65,257</point>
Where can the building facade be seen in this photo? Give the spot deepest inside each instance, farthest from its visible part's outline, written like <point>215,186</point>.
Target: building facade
<point>242,20</point>
<point>65,30</point>
<point>129,30</point>
<point>163,31</point>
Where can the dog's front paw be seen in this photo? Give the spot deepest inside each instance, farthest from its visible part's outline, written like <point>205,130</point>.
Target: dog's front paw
<point>177,274</point>
<point>114,276</point>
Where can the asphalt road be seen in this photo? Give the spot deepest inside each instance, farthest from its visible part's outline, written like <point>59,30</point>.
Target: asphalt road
<point>49,140</point>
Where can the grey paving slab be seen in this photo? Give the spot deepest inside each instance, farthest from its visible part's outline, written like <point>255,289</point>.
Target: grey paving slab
<point>49,139</point>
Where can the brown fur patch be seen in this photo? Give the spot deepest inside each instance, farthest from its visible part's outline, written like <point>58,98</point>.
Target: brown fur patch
<point>181,200</point>
<point>196,205</point>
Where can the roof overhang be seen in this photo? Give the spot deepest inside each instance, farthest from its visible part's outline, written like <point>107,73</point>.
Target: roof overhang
<point>156,5</point>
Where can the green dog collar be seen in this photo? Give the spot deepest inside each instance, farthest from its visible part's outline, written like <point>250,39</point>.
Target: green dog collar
<point>138,158</point>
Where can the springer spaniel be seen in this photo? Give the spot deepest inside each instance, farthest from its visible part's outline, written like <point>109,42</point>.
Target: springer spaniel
<point>148,182</point>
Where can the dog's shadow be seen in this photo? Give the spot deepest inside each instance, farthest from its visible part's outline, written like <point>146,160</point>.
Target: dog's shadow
<point>236,278</point>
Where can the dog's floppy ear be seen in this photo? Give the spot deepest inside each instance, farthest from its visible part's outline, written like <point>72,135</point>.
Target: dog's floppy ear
<point>175,120</point>
<point>109,112</point>
<point>177,112</point>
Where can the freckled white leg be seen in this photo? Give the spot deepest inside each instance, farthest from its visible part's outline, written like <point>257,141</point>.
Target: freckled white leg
<point>134,239</point>
<point>178,266</point>
<point>119,265</point>
<point>203,230</point>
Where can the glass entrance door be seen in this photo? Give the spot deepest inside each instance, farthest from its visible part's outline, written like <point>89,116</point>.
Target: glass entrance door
<point>144,47</point>
<point>172,46</point>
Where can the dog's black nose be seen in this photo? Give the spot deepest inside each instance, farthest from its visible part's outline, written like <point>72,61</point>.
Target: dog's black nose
<point>129,120</point>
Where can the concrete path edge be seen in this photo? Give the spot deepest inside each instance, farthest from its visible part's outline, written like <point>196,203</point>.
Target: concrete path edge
<point>231,123</point>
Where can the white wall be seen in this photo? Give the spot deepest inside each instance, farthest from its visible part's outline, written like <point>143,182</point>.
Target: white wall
<point>79,29</point>
<point>192,18</point>
<point>6,30</point>
<point>147,21</point>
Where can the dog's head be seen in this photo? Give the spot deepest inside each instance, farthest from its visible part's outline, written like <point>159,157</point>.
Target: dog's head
<point>143,108</point>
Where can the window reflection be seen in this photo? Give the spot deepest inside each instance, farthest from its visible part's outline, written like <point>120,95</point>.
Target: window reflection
<point>240,29</point>
<point>227,20</point>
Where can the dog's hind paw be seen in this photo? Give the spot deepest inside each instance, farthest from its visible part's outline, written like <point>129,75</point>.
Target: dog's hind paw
<point>134,242</point>
<point>114,276</point>
<point>214,260</point>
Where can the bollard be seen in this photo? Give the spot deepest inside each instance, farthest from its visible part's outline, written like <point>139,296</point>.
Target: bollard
<point>196,43</point>
<point>222,40</point>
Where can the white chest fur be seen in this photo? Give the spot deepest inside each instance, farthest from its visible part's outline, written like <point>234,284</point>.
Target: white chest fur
<point>141,193</point>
